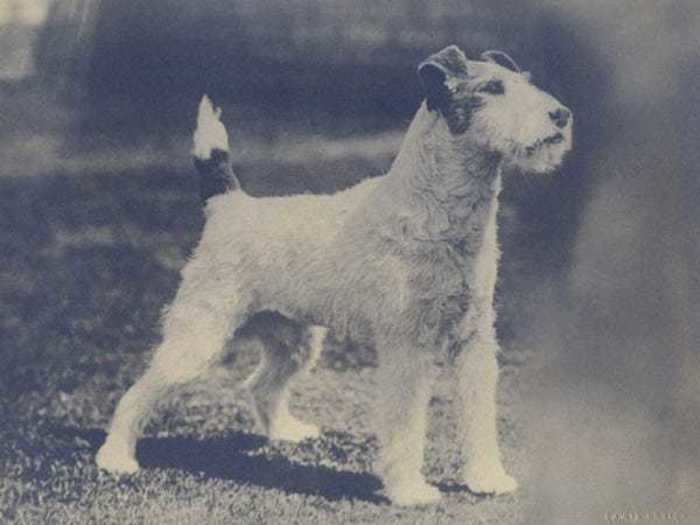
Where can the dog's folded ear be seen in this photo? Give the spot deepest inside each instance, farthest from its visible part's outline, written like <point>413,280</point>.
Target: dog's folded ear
<point>436,72</point>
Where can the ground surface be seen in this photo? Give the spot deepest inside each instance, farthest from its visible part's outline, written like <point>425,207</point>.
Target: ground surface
<point>203,463</point>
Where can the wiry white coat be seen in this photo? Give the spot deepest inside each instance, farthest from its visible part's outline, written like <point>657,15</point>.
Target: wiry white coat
<point>408,260</point>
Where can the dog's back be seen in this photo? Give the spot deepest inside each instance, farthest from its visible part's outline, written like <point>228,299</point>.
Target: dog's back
<point>310,218</point>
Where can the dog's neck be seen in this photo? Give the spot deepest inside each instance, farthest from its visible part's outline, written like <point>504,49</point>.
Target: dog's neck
<point>437,190</point>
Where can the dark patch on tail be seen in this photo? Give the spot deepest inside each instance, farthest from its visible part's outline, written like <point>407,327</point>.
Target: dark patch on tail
<point>216,175</point>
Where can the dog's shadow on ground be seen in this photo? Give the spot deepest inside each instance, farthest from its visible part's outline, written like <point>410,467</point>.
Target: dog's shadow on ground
<point>233,458</point>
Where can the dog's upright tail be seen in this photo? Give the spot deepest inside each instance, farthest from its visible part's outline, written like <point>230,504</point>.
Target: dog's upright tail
<point>211,153</point>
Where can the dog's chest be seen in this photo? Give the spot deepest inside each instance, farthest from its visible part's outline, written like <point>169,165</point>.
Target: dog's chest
<point>447,277</point>
<point>443,277</point>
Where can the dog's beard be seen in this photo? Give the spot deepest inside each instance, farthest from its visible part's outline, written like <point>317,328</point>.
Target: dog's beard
<point>543,155</point>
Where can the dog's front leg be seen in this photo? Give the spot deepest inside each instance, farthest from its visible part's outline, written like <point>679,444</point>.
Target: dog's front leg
<point>405,380</point>
<point>477,370</point>
<point>477,381</point>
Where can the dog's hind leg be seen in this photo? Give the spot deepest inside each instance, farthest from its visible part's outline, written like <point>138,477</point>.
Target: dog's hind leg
<point>405,379</point>
<point>289,350</point>
<point>194,332</point>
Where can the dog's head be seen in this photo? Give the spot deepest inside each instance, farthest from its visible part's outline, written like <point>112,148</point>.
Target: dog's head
<point>496,107</point>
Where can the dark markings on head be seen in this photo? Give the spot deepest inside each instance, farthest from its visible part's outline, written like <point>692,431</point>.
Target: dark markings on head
<point>441,75</point>
<point>459,112</point>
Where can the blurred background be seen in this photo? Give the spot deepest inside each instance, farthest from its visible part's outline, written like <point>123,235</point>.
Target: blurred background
<point>599,288</point>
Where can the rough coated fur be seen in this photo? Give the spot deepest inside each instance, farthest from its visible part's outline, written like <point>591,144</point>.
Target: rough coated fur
<point>409,258</point>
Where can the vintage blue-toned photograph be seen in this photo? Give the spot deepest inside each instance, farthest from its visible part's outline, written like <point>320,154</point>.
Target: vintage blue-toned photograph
<point>349,262</point>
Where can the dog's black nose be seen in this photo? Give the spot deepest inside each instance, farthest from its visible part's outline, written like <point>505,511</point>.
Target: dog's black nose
<point>560,117</point>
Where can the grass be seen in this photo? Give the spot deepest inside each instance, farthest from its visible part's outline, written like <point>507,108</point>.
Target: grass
<point>92,249</point>
<point>203,463</point>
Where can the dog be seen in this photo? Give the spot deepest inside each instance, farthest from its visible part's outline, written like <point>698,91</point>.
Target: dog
<point>408,260</point>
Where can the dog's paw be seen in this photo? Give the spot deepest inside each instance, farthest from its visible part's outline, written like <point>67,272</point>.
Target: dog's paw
<point>116,460</point>
<point>490,480</point>
<point>291,429</point>
<point>413,492</point>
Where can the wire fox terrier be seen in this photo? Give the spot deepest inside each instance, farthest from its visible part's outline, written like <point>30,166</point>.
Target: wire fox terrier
<point>409,258</point>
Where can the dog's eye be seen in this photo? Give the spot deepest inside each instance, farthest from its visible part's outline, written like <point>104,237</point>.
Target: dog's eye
<point>493,87</point>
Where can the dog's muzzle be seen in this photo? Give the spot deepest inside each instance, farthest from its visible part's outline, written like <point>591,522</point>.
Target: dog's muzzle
<point>556,138</point>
